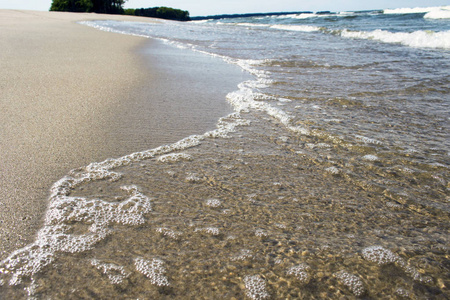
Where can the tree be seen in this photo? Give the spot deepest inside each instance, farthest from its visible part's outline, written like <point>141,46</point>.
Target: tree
<point>98,6</point>
<point>72,5</point>
<point>163,13</point>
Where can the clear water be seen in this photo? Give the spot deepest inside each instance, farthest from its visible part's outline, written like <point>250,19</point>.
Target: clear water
<point>330,180</point>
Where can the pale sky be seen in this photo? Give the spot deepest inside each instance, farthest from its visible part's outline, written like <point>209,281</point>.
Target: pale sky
<point>212,7</point>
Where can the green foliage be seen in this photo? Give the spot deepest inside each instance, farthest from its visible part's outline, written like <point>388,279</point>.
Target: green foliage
<point>72,5</point>
<point>98,6</point>
<point>163,13</point>
<point>116,7</point>
<point>129,11</point>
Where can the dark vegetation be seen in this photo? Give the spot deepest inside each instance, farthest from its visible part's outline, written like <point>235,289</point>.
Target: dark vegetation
<point>116,7</point>
<point>160,12</point>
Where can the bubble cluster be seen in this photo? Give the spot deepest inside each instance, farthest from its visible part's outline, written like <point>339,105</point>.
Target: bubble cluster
<point>213,202</point>
<point>208,230</point>
<point>193,178</point>
<point>367,140</point>
<point>332,170</point>
<point>352,282</point>
<point>300,272</point>
<point>380,255</point>
<point>243,255</point>
<point>153,269</point>
<point>116,274</point>
<point>370,157</point>
<point>174,157</point>
<point>260,233</point>
<point>256,287</point>
<point>168,232</point>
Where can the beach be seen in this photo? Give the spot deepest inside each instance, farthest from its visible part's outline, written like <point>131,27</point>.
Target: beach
<point>72,95</point>
<point>299,156</point>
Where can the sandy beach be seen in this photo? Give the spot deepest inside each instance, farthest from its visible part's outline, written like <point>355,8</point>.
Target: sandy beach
<point>71,95</point>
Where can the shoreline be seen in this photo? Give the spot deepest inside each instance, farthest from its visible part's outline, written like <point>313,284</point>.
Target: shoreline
<point>75,95</point>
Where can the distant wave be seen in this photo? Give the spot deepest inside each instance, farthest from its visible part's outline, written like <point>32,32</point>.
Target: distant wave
<point>304,28</point>
<point>416,10</point>
<point>443,13</point>
<point>252,24</point>
<point>419,39</point>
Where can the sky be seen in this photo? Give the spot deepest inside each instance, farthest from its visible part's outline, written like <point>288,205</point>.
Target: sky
<point>214,7</point>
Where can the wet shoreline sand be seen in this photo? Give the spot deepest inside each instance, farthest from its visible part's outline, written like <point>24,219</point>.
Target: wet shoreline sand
<point>72,95</point>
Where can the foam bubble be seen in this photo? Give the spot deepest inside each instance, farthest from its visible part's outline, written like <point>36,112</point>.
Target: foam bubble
<point>174,157</point>
<point>370,157</point>
<point>213,203</point>
<point>153,269</point>
<point>300,272</point>
<point>169,232</point>
<point>332,170</point>
<point>208,230</point>
<point>303,28</point>
<point>380,255</point>
<point>367,140</point>
<point>243,255</point>
<point>255,287</point>
<point>352,282</point>
<point>193,178</point>
<point>116,274</point>
<point>419,39</point>
<point>260,233</point>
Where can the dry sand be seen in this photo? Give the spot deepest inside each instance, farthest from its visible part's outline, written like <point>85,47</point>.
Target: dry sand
<point>71,95</point>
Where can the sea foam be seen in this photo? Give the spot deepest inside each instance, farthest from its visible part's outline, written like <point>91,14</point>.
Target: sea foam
<point>414,10</point>
<point>417,39</point>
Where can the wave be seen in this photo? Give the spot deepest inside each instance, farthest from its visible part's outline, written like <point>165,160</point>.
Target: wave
<point>415,10</point>
<point>442,13</point>
<point>252,24</point>
<point>304,28</point>
<point>419,39</point>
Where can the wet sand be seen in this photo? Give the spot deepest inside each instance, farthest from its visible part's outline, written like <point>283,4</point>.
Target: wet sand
<point>71,95</point>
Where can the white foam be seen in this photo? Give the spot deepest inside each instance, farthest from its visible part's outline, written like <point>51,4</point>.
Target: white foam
<point>302,28</point>
<point>243,255</point>
<point>300,272</point>
<point>380,255</point>
<point>332,170</point>
<point>414,10</point>
<point>153,269</point>
<point>252,24</point>
<point>352,282</point>
<point>441,13</point>
<point>370,157</point>
<point>213,203</point>
<point>169,232</point>
<point>367,140</point>
<point>256,287</point>
<point>208,230</point>
<point>174,157</point>
<point>116,274</point>
<point>260,233</point>
<point>417,39</point>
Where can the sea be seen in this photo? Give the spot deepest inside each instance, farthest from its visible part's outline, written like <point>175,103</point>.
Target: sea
<point>329,180</point>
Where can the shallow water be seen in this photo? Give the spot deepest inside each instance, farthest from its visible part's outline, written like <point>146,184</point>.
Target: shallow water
<point>329,181</point>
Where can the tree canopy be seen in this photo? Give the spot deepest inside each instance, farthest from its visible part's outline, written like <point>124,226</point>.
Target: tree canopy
<point>116,7</point>
<point>160,12</point>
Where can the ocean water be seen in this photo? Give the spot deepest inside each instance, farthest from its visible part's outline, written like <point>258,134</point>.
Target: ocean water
<point>330,180</point>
